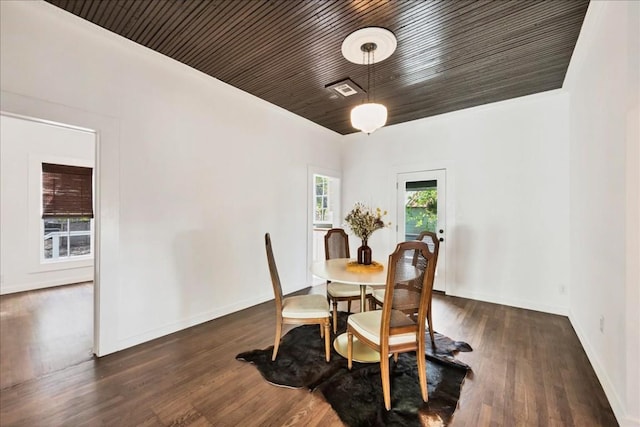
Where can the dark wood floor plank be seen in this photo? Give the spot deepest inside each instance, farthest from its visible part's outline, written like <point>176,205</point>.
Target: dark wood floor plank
<point>528,370</point>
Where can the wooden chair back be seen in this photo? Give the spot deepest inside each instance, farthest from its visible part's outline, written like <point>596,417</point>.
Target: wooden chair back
<point>336,244</point>
<point>433,246</point>
<point>273,270</point>
<point>402,265</point>
<point>431,239</point>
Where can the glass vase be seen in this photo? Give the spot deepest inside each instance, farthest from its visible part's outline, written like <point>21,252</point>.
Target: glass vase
<point>364,254</point>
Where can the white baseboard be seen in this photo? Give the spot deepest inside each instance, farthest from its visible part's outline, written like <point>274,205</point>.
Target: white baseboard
<point>630,422</point>
<point>32,286</point>
<point>616,403</point>
<point>187,323</point>
<point>512,302</point>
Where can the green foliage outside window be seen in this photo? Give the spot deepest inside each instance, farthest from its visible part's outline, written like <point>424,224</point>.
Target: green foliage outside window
<point>421,211</point>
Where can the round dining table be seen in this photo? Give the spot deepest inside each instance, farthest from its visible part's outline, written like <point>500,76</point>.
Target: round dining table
<point>335,270</point>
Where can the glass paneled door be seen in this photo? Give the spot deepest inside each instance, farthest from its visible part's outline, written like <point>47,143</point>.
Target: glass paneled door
<point>421,207</point>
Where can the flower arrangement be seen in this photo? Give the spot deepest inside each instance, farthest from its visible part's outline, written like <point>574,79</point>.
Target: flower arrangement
<point>363,220</point>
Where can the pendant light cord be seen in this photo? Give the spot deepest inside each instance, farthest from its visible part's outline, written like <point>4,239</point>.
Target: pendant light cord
<point>368,76</point>
<point>373,70</point>
<point>369,49</point>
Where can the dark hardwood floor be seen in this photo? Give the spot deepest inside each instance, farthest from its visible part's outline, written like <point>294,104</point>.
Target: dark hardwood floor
<point>528,370</point>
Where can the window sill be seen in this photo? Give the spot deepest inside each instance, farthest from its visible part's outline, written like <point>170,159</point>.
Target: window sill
<point>80,262</point>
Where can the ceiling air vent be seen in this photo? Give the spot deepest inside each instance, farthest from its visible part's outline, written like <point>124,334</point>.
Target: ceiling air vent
<point>344,88</point>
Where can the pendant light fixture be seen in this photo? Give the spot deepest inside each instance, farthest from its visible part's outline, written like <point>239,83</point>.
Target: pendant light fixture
<point>368,46</point>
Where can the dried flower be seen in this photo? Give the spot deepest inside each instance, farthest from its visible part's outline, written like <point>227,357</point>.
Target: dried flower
<point>363,220</point>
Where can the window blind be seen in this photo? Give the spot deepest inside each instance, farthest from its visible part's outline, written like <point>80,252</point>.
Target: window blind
<point>421,185</point>
<point>67,191</point>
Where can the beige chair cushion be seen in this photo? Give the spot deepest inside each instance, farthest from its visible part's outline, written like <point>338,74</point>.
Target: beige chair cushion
<point>305,306</point>
<point>367,324</point>
<point>337,289</point>
<point>378,294</point>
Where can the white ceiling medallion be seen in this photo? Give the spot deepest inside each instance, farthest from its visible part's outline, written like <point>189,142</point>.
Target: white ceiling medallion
<point>384,40</point>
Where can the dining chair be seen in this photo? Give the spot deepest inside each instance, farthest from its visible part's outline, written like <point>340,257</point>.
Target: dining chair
<point>407,298</point>
<point>336,245</point>
<point>389,330</point>
<point>299,309</point>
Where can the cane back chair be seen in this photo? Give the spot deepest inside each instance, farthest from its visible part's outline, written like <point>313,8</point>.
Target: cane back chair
<point>299,309</point>
<point>390,330</point>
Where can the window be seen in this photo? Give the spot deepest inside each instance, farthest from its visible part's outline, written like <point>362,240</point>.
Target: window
<point>67,211</point>
<point>321,214</point>
<point>421,208</point>
<point>66,238</point>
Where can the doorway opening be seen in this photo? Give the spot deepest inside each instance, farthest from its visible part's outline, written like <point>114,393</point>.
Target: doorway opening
<point>325,213</point>
<point>47,245</point>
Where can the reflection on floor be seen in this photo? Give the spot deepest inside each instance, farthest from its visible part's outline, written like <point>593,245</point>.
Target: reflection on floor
<point>44,331</point>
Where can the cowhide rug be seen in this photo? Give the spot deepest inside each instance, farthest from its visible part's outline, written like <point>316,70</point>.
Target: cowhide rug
<point>356,395</point>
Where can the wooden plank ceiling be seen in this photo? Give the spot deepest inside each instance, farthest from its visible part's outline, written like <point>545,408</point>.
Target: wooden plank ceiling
<point>451,54</point>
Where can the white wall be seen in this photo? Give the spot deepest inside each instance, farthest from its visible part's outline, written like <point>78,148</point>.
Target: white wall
<point>603,81</point>
<point>507,194</point>
<point>191,172</point>
<point>24,146</point>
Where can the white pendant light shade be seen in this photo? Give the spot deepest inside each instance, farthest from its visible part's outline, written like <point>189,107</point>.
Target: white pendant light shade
<point>368,117</point>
